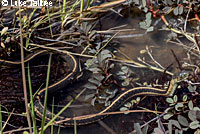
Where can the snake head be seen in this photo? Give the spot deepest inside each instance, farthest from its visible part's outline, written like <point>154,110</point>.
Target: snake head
<point>183,75</point>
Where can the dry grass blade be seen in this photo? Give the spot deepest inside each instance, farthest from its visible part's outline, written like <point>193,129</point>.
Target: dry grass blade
<point>7,120</point>
<point>23,74</point>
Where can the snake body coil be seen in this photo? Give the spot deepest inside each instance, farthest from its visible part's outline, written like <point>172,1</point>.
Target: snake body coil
<point>115,104</point>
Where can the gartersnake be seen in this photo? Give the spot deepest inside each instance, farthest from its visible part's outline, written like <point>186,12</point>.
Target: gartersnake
<point>71,60</point>
<point>115,104</point>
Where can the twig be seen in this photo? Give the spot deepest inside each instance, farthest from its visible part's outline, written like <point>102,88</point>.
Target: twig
<point>16,130</point>
<point>148,122</point>
<point>7,120</point>
<point>185,24</point>
<point>23,73</point>
<point>90,56</point>
<point>179,65</point>
<point>152,58</point>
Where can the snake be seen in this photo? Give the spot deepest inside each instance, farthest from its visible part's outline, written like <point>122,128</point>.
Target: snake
<point>71,60</point>
<point>116,103</point>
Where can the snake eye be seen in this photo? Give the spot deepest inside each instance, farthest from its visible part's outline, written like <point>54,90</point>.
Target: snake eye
<point>184,74</point>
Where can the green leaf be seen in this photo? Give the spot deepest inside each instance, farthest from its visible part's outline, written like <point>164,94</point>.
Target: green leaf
<point>25,132</point>
<point>120,73</point>
<point>124,69</point>
<point>90,86</point>
<point>167,116</point>
<point>170,127</point>
<point>185,98</point>
<point>176,11</point>
<point>167,9</point>
<point>150,29</point>
<point>98,77</point>
<point>128,105</point>
<point>138,99</point>
<point>148,16</point>
<point>137,128</point>
<point>123,109</point>
<point>194,125</point>
<point>144,3</point>
<point>191,88</point>
<point>183,121</point>
<point>167,110</point>
<point>158,131</point>
<point>175,98</point>
<point>169,2</point>
<point>148,23</point>
<point>94,81</point>
<point>190,105</point>
<point>196,108</point>
<point>175,123</point>
<point>143,25</point>
<point>198,115</point>
<point>178,105</point>
<point>145,129</point>
<point>180,10</point>
<point>145,9</point>
<point>170,100</point>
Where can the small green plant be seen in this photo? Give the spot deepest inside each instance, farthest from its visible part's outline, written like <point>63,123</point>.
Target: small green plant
<point>185,115</point>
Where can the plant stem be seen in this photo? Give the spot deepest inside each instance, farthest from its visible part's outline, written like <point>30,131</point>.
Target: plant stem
<point>46,95</point>
<point>23,74</point>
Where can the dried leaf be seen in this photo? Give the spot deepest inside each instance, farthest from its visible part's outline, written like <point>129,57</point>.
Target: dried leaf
<point>2,45</point>
<point>143,51</point>
<point>4,30</point>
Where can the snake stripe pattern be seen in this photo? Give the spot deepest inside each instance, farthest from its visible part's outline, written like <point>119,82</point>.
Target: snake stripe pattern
<point>117,102</point>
